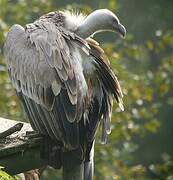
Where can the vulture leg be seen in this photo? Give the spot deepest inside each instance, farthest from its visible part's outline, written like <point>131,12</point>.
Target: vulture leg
<point>74,173</point>
<point>52,152</point>
<point>73,165</point>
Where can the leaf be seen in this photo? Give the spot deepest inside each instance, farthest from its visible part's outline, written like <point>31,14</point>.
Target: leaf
<point>5,176</point>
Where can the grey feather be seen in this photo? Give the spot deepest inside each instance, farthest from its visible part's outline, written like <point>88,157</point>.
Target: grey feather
<point>40,64</point>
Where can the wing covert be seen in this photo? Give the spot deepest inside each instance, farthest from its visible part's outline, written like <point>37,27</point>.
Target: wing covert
<point>39,58</point>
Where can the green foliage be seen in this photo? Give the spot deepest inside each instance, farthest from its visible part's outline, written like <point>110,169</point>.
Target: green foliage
<point>147,90</point>
<point>140,145</point>
<point>5,176</point>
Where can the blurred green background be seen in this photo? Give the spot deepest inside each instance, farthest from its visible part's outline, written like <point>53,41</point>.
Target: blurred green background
<point>140,146</point>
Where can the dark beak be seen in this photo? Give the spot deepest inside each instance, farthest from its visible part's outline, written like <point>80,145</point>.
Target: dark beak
<point>121,29</point>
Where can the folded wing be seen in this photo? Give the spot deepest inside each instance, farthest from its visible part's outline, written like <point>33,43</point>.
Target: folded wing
<point>48,78</point>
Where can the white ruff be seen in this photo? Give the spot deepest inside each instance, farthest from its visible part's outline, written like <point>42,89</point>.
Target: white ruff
<point>73,19</point>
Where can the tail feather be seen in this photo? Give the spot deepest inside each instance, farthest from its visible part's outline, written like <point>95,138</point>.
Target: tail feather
<point>89,163</point>
<point>78,169</point>
<point>73,164</point>
<point>88,170</point>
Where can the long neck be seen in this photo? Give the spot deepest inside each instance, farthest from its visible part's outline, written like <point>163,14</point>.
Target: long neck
<point>91,24</point>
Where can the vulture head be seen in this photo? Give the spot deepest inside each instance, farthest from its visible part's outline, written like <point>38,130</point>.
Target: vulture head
<point>98,21</point>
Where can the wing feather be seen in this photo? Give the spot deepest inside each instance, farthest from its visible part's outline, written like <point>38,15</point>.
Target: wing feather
<point>104,87</point>
<point>42,68</point>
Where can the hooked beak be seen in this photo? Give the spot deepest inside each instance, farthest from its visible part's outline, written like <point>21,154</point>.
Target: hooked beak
<point>121,30</point>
